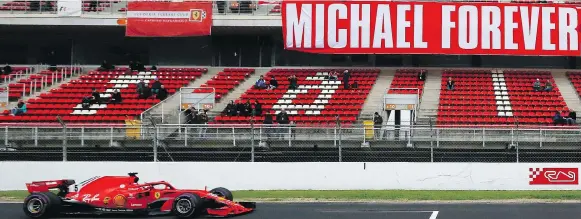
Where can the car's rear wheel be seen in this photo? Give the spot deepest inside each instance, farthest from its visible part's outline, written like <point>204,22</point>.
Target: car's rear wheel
<point>42,205</point>
<point>186,205</point>
<point>222,192</point>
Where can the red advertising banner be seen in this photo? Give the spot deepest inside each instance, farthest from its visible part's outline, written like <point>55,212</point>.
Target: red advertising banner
<point>368,27</point>
<point>168,19</point>
<point>553,176</point>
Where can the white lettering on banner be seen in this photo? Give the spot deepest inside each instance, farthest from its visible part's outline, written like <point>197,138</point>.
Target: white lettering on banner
<point>291,176</point>
<point>460,26</point>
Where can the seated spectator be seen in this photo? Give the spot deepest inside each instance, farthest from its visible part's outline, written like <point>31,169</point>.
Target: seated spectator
<point>162,93</point>
<point>140,86</point>
<point>86,103</point>
<point>240,109</point>
<point>282,118</point>
<point>145,93</point>
<point>153,68</point>
<point>422,76</point>
<point>558,119</point>
<point>273,84</point>
<point>139,66</point>
<point>572,118</point>
<point>293,82</point>
<point>333,75</point>
<point>247,108</point>
<point>19,109</point>
<point>132,66</point>
<point>96,96</point>
<point>268,119</point>
<point>156,85</point>
<point>450,84</point>
<point>537,85</point>
<point>7,69</point>
<point>260,83</point>
<point>116,97</point>
<point>231,108</point>
<point>355,85</point>
<point>105,66</point>
<point>93,6</point>
<point>257,109</point>
<point>548,86</point>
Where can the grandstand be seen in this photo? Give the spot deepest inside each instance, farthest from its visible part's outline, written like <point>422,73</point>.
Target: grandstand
<point>491,109</point>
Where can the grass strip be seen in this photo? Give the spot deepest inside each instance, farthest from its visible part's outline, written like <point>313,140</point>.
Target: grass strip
<point>379,195</point>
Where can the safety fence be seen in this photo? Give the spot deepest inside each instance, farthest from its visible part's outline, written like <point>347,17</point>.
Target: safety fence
<point>291,144</point>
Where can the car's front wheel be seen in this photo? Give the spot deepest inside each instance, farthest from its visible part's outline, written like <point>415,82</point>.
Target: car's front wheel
<point>186,205</point>
<point>42,205</point>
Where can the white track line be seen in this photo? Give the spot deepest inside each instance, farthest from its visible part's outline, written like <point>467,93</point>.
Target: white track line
<point>380,211</point>
<point>434,215</point>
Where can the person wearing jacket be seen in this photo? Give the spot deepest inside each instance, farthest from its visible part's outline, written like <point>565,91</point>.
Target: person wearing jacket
<point>19,109</point>
<point>377,125</point>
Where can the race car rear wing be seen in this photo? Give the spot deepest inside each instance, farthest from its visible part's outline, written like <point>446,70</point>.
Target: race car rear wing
<point>44,186</point>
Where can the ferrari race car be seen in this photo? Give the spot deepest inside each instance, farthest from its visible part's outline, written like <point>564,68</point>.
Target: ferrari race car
<point>124,195</point>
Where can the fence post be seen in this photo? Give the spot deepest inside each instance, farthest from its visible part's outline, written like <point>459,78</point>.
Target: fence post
<point>5,135</point>
<point>340,141</point>
<point>35,136</point>
<point>483,137</point>
<point>155,142</point>
<point>233,137</point>
<point>64,143</point>
<point>541,137</point>
<point>252,141</point>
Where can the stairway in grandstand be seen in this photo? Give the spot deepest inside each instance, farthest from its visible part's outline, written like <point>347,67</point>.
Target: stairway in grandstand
<point>430,99</point>
<point>236,93</point>
<point>568,90</point>
<point>374,102</point>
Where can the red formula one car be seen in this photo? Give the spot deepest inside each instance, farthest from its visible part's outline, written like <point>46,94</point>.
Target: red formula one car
<point>123,194</point>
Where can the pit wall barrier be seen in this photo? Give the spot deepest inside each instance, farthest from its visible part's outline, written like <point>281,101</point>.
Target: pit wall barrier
<point>306,176</point>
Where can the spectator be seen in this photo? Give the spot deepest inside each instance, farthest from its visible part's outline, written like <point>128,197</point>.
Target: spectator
<point>190,114</point>
<point>132,66</point>
<point>156,85</point>
<point>558,119</point>
<point>145,93</point>
<point>355,85</point>
<point>7,69</point>
<point>247,108</point>
<point>273,83</point>
<point>333,75</point>
<point>203,120</point>
<point>293,82</point>
<point>139,66</point>
<point>548,86</point>
<point>105,66</point>
<point>377,125</point>
<point>140,86</point>
<point>51,61</point>
<point>346,77</point>
<point>572,118</point>
<point>257,108</point>
<point>268,122</point>
<point>537,85</point>
<point>19,109</point>
<point>96,96</point>
<point>231,108</point>
<point>153,68</point>
<point>282,118</point>
<point>162,93</point>
<point>240,109</point>
<point>260,83</point>
<point>116,97</point>
<point>86,103</point>
<point>450,84</point>
<point>422,76</point>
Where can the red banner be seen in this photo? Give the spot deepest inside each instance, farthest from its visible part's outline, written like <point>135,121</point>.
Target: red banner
<point>169,19</point>
<point>553,176</point>
<point>367,27</point>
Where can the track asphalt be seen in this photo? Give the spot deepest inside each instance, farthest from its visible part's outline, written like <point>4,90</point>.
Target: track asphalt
<point>380,211</point>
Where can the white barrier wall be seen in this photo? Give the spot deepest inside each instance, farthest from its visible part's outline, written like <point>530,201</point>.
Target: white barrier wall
<point>295,176</point>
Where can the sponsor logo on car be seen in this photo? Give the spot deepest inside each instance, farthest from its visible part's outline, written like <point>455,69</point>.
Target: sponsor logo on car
<point>157,195</point>
<point>106,200</point>
<point>553,176</point>
<point>89,198</point>
<point>136,205</point>
<point>51,183</point>
<point>119,200</point>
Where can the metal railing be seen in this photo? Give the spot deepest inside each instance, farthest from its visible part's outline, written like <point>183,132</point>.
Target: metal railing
<point>254,142</point>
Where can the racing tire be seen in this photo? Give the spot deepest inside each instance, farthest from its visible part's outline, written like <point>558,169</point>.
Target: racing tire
<point>222,192</point>
<point>186,205</point>
<point>42,205</point>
